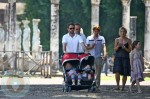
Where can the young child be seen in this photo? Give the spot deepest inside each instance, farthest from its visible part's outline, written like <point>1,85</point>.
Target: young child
<point>85,74</point>
<point>137,66</point>
<point>72,73</point>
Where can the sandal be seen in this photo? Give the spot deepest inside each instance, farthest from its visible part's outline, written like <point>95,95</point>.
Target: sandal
<point>116,89</point>
<point>130,89</point>
<point>139,92</point>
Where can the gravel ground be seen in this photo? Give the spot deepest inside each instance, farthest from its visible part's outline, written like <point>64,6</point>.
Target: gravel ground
<point>41,88</point>
<point>55,92</point>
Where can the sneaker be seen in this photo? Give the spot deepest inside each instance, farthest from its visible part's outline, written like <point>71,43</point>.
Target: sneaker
<point>130,89</point>
<point>73,82</point>
<point>79,83</point>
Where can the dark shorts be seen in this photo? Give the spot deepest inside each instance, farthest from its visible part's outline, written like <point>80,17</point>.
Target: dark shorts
<point>122,66</point>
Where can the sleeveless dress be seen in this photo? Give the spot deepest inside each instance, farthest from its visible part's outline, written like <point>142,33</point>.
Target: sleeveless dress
<point>137,72</point>
<point>122,62</point>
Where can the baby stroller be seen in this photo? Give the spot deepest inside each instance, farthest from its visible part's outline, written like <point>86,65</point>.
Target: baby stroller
<point>79,61</point>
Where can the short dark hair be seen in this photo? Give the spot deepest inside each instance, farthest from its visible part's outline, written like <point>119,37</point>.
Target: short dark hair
<point>134,44</point>
<point>70,24</point>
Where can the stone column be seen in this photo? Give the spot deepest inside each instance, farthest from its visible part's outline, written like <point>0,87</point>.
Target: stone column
<point>54,34</point>
<point>94,13</point>
<point>35,38</point>
<point>126,15</point>
<point>147,30</point>
<point>133,28</point>
<point>2,40</point>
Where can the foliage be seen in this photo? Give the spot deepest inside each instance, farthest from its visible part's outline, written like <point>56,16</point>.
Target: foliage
<point>39,9</point>
<point>138,9</point>
<point>76,11</point>
<point>110,21</point>
<point>79,11</point>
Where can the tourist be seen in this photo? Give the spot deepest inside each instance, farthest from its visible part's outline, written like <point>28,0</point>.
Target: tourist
<point>71,41</point>
<point>137,66</point>
<point>77,31</point>
<point>95,45</point>
<point>122,49</point>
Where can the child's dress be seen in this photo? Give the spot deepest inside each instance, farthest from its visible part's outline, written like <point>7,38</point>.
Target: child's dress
<point>137,72</point>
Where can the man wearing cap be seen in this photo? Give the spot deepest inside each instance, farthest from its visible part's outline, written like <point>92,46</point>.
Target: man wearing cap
<point>71,41</point>
<point>96,46</point>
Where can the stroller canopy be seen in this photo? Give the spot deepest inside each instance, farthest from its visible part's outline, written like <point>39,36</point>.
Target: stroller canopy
<point>86,59</point>
<point>71,58</point>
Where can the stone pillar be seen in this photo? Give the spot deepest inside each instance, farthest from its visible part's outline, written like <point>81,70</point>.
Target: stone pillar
<point>147,30</point>
<point>133,28</point>
<point>2,40</point>
<point>35,38</point>
<point>10,42</point>
<point>54,34</point>
<point>126,15</point>
<point>94,13</point>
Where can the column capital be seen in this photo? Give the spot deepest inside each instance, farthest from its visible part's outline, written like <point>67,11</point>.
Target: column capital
<point>133,17</point>
<point>54,1</point>
<point>126,2</point>
<point>95,2</point>
<point>18,23</point>
<point>25,22</point>
<point>11,1</point>
<point>147,3</point>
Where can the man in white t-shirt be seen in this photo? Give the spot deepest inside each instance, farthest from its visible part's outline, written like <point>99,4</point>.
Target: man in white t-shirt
<point>77,31</point>
<point>71,41</point>
<point>96,46</point>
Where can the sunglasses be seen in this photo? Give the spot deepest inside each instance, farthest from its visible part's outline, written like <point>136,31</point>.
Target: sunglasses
<point>71,28</point>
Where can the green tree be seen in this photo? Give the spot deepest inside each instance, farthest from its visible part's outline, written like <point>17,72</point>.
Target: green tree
<point>75,11</point>
<point>138,9</point>
<point>39,9</point>
<point>110,21</point>
<point>79,11</point>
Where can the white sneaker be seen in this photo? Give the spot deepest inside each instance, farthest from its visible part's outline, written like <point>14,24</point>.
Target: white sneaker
<point>79,83</point>
<point>73,82</point>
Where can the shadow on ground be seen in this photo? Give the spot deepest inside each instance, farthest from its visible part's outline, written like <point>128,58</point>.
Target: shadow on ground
<point>55,92</point>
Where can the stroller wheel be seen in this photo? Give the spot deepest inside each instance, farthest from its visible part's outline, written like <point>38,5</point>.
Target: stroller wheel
<point>93,89</point>
<point>65,89</point>
<point>89,90</point>
<point>69,89</point>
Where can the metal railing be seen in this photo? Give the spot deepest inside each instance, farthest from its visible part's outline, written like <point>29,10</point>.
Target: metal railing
<point>22,64</point>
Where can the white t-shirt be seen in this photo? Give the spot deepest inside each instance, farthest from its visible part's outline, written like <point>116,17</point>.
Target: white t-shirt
<point>97,50</point>
<point>81,50</point>
<point>72,43</point>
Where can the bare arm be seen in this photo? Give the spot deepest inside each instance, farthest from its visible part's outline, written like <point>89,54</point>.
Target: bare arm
<point>116,45</point>
<point>89,47</point>
<point>104,49</point>
<point>131,61</point>
<point>105,52</point>
<point>64,47</point>
<point>130,47</point>
<point>142,60</point>
<point>83,46</point>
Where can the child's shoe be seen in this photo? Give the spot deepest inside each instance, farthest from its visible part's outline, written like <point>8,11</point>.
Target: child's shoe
<point>73,82</point>
<point>78,83</point>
